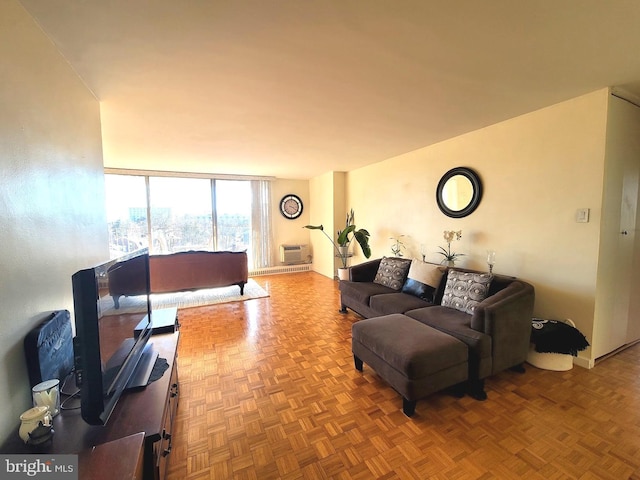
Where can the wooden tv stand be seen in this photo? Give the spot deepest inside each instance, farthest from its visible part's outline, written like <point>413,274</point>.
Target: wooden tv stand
<point>150,410</point>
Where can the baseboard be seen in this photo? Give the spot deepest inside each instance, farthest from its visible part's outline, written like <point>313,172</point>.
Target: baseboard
<point>616,351</point>
<point>583,362</point>
<point>302,267</point>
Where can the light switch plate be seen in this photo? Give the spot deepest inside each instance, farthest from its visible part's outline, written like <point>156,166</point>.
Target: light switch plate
<point>582,215</point>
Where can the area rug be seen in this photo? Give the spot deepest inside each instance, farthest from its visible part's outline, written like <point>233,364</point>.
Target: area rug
<point>196,298</point>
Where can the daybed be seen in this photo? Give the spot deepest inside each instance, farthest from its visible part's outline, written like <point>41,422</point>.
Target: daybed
<point>181,271</point>
<point>494,324</point>
<point>198,269</point>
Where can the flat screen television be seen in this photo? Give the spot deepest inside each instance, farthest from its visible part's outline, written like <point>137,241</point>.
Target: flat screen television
<point>113,325</point>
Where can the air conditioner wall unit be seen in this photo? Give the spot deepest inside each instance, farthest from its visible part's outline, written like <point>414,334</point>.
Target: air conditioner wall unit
<point>294,254</point>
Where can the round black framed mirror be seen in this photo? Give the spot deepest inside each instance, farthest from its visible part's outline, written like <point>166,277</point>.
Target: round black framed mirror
<point>459,192</point>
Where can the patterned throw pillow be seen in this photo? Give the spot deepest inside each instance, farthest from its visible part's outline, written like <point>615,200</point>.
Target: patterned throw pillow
<point>465,290</point>
<point>392,272</point>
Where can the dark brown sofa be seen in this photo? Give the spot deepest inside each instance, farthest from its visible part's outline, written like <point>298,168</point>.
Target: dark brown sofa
<point>497,333</point>
<point>181,271</point>
<point>198,269</point>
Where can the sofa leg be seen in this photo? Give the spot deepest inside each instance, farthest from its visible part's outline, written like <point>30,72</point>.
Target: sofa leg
<point>358,363</point>
<point>343,309</point>
<point>476,390</point>
<point>408,407</point>
<point>518,368</point>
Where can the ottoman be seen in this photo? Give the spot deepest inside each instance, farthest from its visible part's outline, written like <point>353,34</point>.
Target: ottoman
<point>414,358</point>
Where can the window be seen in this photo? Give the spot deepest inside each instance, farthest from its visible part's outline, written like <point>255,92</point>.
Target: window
<point>233,215</point>
<point>126,198</point>
<point>184,214</point>
<point>181,214</point>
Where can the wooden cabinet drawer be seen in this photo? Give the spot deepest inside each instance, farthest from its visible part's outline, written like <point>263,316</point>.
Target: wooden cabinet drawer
<point>162,448</point>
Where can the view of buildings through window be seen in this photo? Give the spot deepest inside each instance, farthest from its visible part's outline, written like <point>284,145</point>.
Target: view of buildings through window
<point>181,214</point>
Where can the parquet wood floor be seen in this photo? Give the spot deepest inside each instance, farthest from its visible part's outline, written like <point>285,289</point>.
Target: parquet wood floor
<point>269,390</point>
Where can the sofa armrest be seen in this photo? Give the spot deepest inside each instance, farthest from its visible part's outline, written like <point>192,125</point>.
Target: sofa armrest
<point>364,272</point>
<point>506,317</point>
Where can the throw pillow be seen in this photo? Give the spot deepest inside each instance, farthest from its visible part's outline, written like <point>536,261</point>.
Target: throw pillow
<point>426,273</point>
<point>423,279</point>
<point>392,272</point>
<point>465,290</point>
<point>418,289</point>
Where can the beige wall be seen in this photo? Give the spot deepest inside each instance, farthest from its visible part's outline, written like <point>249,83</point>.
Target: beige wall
<point>287,231</point>
<point>536,170</point>
<point>51,192</point>
<point>327,193</point>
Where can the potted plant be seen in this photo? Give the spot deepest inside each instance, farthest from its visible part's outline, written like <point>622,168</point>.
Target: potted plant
<point>345,237</point>
<point>449,256</point>
<point>398,246</point>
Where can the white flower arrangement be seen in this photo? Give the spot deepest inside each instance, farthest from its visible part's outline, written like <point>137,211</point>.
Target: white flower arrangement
<point>449,236</point>
<point>397,246</point>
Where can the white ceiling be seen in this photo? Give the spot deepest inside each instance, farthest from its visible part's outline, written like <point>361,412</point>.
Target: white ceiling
<point>297,88</point>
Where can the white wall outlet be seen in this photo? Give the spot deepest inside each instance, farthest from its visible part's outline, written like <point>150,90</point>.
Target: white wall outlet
<point>582,215</point>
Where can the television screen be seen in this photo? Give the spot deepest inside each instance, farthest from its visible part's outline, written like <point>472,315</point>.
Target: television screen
<point>111,300</point>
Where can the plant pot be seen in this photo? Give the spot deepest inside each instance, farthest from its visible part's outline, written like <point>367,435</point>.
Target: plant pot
<point>343,274</point>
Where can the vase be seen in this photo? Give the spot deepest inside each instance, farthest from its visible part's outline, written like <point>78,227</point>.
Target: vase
<point>32,419</point>
<point>343,274</point>
<point>450,263</point>
<point>47,394</point>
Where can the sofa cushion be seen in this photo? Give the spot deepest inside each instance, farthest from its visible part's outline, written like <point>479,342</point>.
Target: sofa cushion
<point>423,279</point>
<point>398,302</point>
<point>392,272</point>
<point>361,292</point>
<point>458,325</point>
<point>414,350</point>
<point>465,290</point>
